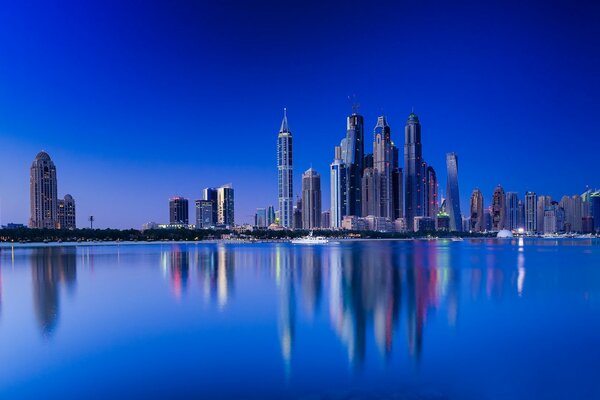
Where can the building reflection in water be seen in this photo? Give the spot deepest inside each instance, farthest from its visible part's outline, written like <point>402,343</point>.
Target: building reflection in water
<point>51,267</point>
<point>391,288</point>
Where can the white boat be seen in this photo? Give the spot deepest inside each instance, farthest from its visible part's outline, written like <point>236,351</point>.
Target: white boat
<point>457,239</point>
<point>310,239</point>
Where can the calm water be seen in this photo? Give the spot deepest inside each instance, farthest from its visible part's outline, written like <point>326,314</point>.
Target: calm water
<point>373,319</point>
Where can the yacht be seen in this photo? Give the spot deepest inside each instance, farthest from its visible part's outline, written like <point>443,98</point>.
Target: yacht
<point>310,239</point>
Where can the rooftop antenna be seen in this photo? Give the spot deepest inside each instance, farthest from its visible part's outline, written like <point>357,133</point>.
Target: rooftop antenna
<point>355,104</point>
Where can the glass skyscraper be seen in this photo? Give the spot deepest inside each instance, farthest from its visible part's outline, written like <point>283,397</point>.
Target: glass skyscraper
<point>285,174</point>
<point>338,189</point>
<point>353,152</point>
<point>531,220</point>
<point>477,223</point>
<point>311,199</point>
<point>414,189</point>
<point>382,164</point>
<point>512,210</point>
<point>452,193</point>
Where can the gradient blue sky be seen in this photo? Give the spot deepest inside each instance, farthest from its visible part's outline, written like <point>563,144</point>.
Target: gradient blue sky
<point>138,101</point>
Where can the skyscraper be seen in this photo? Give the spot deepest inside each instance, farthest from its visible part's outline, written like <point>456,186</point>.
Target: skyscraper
<point>572,206</point>
<point>413,159</point>
<point>531,217</point>
<point>371,200</point>
<point>178,211</point>
<point>498,209</point>
<point>210,194</point>
<point>285,173</point>
<point>431,207</point>
<point>542,203</point>
<point>311,199</point>
<point>43,192</point>
<point>477,223</point>
<point>270,215</point>
<point>397,184</point>
<point>353,152</point>
<point>512,211</point>
<point>382,164</point>
<point>338,189</point>
<point>225,206</point>
<point>452,194</point>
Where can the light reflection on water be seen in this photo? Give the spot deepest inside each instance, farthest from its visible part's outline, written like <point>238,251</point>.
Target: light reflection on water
<point>415,306</point>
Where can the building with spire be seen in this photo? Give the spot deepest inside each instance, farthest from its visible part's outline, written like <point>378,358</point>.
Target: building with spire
<point>285,174</point>
<point>452,193</point>
<point>414,190</point>
<point>477,223</point>
<point>43,193</point>
<point>353,152</point>
<point>311,199</point>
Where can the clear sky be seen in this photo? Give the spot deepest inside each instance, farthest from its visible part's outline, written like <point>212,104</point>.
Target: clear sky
<point>137,101</point>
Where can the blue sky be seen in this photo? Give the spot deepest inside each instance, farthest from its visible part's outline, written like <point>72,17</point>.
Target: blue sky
<point>139,101</point>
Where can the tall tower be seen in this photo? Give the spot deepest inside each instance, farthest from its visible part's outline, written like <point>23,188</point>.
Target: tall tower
<point>178,211</point>
<point>382,163</point>
<point>413,160</point>
<point>338,189</point>
<point>531,221</point>
<point>311,199</point>
<point>225,206</point>
<point>452,194</point>
<point>477,223</point>
<point>512,210</point>
<point>353,152</point>
<point>498,209</point>
<point>431,208</point>
<point>42,190</point>
<point>285,173</point>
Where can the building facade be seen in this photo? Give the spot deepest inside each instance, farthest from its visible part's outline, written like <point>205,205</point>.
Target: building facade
<point>512,211</point>
<point>337,189</point>
<point>477,223</point>
<point>43,193</point>
<point>178,211</point>
<point>498,213</point>
<point>371,193</point>
<point>414,189</point>
<point>285,173</point>
<point>311,199</point>
<point>66,213</point>
<point>382,164</point>
<point>353,152</point>
<point>531,220</point>
<point>205,214</point>
<point>225,206</point>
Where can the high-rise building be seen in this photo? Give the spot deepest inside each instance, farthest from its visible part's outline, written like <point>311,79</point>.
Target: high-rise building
<point>531,220</point>
<point>270,215</point>
<point>311,199</point>
<point>382,164</point>
<point>477,223</point>
<point>225,206</point>
<point>297,214</point>
<point>43,193</point>
<point>553,218</point>
<point>487,219</point>
<point>338,189</point>
<point>260,218</point>
<point>210,194</point>
<point>353,152</point>
<point>66,213</point>
<point>521,216</point>
<point>397,187</point>
<point>512,211</point>
<point>178,211</point>
<point>498,209</point>
<point>326,219</point>
<point>572,205</point>
<point>205,214</point>
<point>285,173</point>
<point>542,203</point>
<point>414,190</point>
<point>595,207</point>
<point>371,204</point>
<point>452,193</point>
<point>431,187</point>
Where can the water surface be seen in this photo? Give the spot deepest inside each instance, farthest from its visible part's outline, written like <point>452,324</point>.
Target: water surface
<point>482,319</point>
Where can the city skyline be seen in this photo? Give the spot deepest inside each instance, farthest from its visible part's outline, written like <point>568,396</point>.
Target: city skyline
<point>103,108</point>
